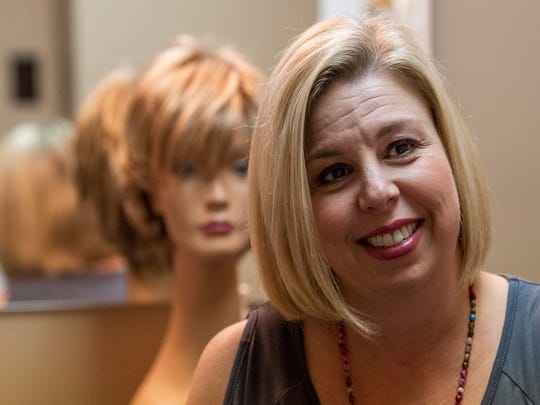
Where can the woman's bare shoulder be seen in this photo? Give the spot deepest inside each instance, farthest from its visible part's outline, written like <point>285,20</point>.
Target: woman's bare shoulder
<point>215,365</point>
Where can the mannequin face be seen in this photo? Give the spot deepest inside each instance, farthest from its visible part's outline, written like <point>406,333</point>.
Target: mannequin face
<point>205,214</point>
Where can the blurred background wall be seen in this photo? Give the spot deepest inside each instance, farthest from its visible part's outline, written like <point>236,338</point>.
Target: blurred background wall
<point>489,50</point>
<point>32,36</point>
<point>491,53</point>
<point>106,33</point>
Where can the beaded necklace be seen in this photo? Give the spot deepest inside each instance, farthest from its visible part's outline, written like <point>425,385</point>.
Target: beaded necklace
<point>464,365</point>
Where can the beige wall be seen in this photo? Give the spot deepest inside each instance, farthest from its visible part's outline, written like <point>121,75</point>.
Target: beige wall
<point>30,26</point>
<point>491,52</point>
<point>109,33</point>
<point>79,356</point>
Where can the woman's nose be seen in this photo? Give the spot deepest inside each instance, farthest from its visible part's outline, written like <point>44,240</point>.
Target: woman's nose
<point>378,190</point>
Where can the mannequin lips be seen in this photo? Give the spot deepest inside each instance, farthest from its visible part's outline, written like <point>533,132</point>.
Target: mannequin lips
<point>217,228</point>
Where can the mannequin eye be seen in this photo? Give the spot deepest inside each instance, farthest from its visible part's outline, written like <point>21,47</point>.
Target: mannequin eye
<point>187,171</point>
<point>241,168</point>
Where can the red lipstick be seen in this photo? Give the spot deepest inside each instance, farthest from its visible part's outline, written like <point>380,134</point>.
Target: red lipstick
<point>392,252</point>
<point>217,228</point>
<point>391,227</point>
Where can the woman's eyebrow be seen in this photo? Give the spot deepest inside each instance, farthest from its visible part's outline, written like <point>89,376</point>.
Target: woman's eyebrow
<point>406,124</point>
<point>401,125</point>
<point>322,153</point>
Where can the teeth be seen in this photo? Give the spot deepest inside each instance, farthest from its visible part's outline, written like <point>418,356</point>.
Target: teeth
<point>394,238</point>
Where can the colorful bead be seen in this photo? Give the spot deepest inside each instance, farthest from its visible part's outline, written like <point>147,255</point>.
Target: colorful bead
<point>345,360</point>
<point>468,347</point>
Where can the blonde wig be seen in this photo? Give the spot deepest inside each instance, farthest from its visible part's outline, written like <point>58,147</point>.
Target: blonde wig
<point>42,227</point>
<point>100,149</point>
<point>294,270</point>
<point>186,107</point>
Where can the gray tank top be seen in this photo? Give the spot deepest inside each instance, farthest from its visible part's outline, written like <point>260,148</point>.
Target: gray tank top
<point>270,367</point>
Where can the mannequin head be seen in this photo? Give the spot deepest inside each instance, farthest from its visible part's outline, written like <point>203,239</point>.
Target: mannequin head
<point>188,131</point>
<point>43,227</point>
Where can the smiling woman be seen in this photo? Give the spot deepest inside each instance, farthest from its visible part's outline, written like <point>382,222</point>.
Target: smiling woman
<point>369,217</point>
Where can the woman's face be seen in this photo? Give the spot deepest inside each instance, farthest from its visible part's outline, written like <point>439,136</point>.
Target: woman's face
<point>205,215</point>
<point>384,200</point>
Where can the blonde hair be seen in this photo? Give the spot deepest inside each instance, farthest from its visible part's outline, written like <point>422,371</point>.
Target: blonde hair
<point>185,107</point>
<point>294,270</point>
<point>42,226</point>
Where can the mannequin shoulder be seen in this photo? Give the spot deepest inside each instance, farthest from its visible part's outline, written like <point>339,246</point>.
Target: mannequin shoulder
<point>215,364</point>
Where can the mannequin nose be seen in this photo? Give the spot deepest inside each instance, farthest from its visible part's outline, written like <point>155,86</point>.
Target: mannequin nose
<point>217,194</point>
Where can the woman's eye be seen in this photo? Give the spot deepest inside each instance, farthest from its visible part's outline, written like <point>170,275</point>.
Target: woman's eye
<point>402,148</point>
<point>333,173</point>
<point>241,168</point>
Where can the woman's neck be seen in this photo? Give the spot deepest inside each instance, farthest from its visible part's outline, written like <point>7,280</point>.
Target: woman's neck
<point>423,330</point>
<point>414,308</point>
<point>435,307</point>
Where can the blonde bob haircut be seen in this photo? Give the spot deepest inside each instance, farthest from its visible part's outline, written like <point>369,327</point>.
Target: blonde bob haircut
<point>186,107</point>
<point>294,270</point>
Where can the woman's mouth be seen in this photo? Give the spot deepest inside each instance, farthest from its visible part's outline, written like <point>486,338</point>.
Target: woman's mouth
<point>391,239</point>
